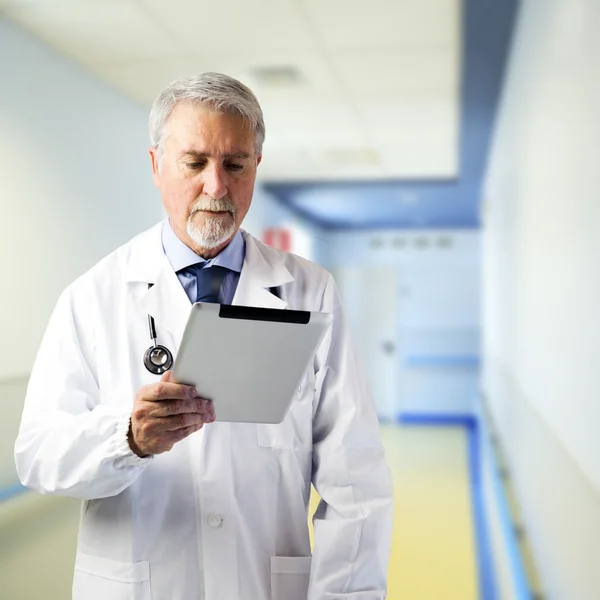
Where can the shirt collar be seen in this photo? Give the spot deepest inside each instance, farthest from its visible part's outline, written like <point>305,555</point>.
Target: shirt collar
<point>181,256</point>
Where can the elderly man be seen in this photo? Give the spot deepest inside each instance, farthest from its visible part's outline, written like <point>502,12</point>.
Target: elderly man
<point>177,506</point>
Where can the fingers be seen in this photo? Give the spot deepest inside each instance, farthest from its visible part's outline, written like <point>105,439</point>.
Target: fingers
<point>165,390</point>
<point>157,443</point>
<point>168,408</point>
<point>184,421</point>
<point>166,412</point>
<point>184,432</point>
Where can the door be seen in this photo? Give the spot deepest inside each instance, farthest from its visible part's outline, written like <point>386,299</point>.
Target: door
<point>369,297</point>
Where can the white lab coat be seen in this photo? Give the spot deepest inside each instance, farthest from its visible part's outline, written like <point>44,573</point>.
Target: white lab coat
<point>223,515</point>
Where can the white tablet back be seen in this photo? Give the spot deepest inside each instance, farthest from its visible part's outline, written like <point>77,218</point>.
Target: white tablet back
<point>248,361</point>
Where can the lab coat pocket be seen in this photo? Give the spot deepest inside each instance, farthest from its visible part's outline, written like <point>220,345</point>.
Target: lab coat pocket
<point>290,576</point>
<point>99,578</point>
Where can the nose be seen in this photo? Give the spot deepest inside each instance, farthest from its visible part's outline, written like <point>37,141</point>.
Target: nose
<point>215,184</point>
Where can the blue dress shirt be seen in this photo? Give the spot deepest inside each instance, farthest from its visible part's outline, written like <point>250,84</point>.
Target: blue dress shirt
<point>181,256</point>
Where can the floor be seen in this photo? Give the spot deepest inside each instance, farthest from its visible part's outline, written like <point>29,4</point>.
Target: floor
<point>433,546</point>
<point>433,556</point>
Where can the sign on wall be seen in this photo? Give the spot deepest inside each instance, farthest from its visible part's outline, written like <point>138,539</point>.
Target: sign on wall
<point>278,237</point>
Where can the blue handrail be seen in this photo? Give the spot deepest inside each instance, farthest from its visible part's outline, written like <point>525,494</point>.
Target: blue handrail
<point>472,361</point>
<point>9,492</point>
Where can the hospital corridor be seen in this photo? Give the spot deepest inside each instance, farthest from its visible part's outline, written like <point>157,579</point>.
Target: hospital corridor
<point>438,159</point>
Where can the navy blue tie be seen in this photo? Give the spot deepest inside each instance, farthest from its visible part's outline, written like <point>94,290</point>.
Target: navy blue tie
<point>208,282</point>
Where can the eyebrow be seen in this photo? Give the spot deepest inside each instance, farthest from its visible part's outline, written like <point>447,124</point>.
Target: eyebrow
<point>235,155</point>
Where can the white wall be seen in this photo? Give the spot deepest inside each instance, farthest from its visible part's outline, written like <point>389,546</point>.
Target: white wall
<point>542,286</point>
<point>74,183</point>
<point>433,318</point>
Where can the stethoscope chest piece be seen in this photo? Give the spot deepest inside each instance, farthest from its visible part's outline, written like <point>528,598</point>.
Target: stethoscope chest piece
<point>158,359</point>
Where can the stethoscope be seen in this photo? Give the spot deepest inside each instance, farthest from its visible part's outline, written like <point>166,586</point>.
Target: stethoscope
<point>158,359</point>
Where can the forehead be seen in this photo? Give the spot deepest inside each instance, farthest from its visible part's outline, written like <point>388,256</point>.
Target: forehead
<point>196,127</point>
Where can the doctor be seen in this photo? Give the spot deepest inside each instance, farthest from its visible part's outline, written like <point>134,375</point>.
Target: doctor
<point>176,506</point>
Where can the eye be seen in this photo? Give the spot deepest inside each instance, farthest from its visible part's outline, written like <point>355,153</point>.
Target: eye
<point>194,165</point>
<point>234,167</point>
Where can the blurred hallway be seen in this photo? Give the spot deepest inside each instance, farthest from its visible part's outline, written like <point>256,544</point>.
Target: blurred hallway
<point>438,157</point>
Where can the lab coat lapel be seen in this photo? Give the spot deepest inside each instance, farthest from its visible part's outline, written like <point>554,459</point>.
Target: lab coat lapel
<point>262,270</point>
<point>166,300</point>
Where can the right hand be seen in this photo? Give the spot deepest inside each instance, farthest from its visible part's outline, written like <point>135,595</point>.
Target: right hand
<point>165,413</point>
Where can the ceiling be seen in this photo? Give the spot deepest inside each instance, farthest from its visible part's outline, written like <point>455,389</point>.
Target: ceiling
<point>487,27</point>
<point>351,90</point>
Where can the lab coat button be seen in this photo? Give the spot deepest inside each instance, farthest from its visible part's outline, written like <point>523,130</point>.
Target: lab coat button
<point>215,520</point>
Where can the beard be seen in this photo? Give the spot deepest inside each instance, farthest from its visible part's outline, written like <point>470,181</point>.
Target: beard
<point>212,230</point>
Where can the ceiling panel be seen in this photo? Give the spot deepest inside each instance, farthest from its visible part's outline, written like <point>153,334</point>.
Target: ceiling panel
<point>422,156</point>
<point>371,86</point>
<point>285,163</point>
<point>18,3</point>
<point>94,32</point>
<point>323,116</point>
<point>144,80</point>
<point>314,74</point>
<point>388,116</point>
<point>415,71</point>
<point>384,23</point>
<point>235,25</point>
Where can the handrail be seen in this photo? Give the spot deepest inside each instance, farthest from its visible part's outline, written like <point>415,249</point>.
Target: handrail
<point>441,360</point>
<point>11,491</point>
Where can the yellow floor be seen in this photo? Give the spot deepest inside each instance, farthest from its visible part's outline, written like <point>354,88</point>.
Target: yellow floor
<point>432,556</point>
<point>433,553</point>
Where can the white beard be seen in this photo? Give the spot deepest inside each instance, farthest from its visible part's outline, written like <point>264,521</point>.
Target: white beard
<point>212,231</point>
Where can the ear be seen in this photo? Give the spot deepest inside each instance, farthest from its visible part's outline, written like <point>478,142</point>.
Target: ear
<point>155,166</point>
<point>258,159</point>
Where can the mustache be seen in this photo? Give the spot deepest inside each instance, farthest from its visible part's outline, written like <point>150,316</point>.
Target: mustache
<point>211,204</point>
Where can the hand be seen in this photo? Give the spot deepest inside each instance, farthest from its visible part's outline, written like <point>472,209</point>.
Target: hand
<point>165,413</point>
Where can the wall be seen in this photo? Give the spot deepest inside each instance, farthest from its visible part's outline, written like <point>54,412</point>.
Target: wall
<point>266,211</point>
<point>74,183</point>
<point>433,320</point>
<point>542,287</point>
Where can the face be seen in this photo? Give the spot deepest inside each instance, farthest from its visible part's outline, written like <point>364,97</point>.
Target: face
<point>206,175</point>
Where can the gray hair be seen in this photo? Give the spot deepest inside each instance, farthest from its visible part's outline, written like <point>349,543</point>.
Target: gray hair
<point>217,92</point>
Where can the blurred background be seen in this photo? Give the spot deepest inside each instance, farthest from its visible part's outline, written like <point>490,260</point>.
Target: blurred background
<point>440,158</point>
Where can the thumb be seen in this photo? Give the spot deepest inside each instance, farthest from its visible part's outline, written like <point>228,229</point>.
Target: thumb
<point>166,376</point>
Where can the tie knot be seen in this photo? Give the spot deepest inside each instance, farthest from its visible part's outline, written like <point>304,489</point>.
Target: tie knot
<point>208,282</point>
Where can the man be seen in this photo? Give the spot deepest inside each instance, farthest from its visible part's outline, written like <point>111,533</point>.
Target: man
<point>177,506</point>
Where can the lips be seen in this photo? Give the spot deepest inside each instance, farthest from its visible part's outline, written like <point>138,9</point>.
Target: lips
<point>212,212</point>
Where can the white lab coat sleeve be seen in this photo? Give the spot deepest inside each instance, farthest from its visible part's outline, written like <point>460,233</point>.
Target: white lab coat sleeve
<point>353,522</point>
<point>69,443</point>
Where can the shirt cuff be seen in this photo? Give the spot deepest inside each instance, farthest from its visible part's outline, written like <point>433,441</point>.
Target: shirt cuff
<point>126,457</point>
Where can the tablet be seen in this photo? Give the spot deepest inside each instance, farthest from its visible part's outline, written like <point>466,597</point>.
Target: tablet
<point>248,361</point>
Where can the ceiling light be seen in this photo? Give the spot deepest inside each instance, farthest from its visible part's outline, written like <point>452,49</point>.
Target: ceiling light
<point>277,76</point>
